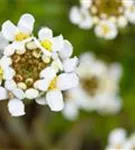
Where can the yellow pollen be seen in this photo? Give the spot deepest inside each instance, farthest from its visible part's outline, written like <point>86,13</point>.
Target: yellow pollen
<point>53,84</point>
<point>106,29</point>
<point>1,73</point>
<point>21,36</point>
<point>47,45</point>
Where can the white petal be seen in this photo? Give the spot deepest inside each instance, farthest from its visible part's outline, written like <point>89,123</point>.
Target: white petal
<point>48,73</point>
<point>20,46</point>
<point>58,43</point>
<point>5,62</point>
<point>9,30</point>
<point>45,33</point>
<point>70,111</point>
<point>3,42</point>
<point>10,85</point>
<point>41,101</point>
<point>26,23</point>
<point>32,93</point>
<point>16,107</point>
<point>122,22</point>
<point>70,64</point>
<point>18,93</point>
<point>87,20</point>
<point>115,71</point>
<point>86,3</point>
<point>9,50</point>
<point>117,136</point>
<point>57,65</point>
<point>67,81</point>
<point>67,50</point>
<point>9,73</point>
<point>75,15</point>
<point>42,84</point>
<point>128,3</point>
<point>3,94</point>
<point>54,99</point>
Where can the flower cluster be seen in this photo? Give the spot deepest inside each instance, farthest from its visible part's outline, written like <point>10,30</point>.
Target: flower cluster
<point>98,89</point>
<point>118,140</point>
<point>105,15</point>
<point>35,68</point>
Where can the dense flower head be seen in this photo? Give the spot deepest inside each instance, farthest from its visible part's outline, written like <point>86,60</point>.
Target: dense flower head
<point>35,68</point>
<point>106,16</point>
<point>98,88</point>
<point>118,139</point>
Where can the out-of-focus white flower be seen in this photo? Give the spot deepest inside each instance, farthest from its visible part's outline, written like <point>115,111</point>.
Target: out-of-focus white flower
<point>106,29</point>
<point>116,139</point>
<point>37,69</point>
<point>81,17</point>
<point>130,143</point>
<point>119,12</point>
<point>98,89</point>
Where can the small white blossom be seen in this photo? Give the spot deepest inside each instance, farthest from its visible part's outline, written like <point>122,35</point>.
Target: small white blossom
<point>35,69</point>
<point>106,29</point>
<point>48,43</point>
<point>92,13</point>
<point>98,89</point>
<point>116,139</point>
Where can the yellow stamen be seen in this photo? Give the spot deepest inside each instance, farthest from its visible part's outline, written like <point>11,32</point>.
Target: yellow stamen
<point>21,36</point>
<point>53,84</point>
<point>47,45</point>
<point>1,73</point>
<point>106,29</point>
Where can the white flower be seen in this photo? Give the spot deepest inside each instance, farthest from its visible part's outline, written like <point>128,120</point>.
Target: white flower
<point>19,34</point>
<point>53,85</point>
<point>98,89</point>
<point>106,29</point>
<point>92,13</point>
<point>15,96</point>
<point>35,69</point>
<point>81,17</point>
<point>117,139</point>
<point>47,43</point>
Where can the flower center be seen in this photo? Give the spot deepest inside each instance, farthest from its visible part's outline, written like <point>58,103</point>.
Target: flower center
<point>28,66</point>
<point>107,7</point>
<point>106,29</point>
<point>20,36</point>
<point>90,85</point>
<point>52,85</point>
<point>1,73</point>
<point>47,44</point>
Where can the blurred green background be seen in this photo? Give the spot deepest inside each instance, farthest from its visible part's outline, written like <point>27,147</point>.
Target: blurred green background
<point>41,129</point>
